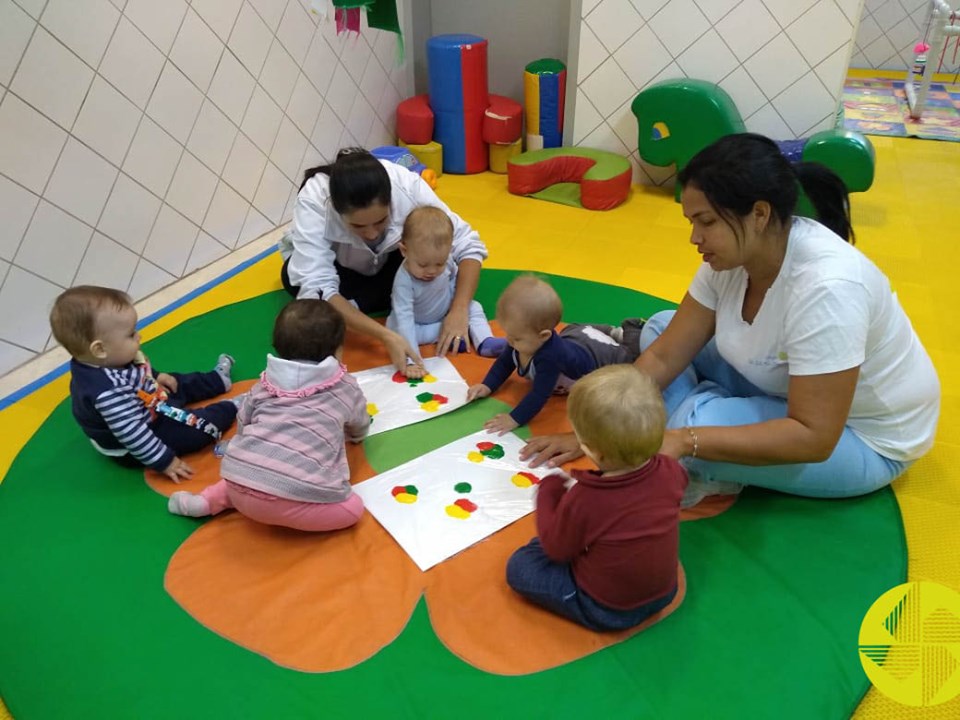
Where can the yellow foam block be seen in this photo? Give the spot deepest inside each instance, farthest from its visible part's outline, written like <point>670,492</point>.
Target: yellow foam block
<point>430,154</point>
<point>501,154</point>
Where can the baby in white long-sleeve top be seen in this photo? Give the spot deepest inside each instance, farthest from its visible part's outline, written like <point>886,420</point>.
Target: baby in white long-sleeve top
<point>424,286</point>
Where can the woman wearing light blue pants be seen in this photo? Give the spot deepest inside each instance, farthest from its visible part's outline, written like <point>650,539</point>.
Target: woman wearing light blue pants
<point>711,392</point>
<point>789,363</point>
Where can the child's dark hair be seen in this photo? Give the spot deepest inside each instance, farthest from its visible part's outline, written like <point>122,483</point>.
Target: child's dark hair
<point>73,318</point>
<point>738,170</point>
<point>357,180</point>
<point>308,329</point>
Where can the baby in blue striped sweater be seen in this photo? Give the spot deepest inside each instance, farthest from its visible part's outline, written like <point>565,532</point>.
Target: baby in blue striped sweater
<point>130,414</point>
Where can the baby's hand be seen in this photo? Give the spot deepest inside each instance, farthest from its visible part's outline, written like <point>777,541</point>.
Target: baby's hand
<point>168,382</point>
<point>178,470</point>
<point>415,371</point>
<point>500,424</point>
<point>475,392</point>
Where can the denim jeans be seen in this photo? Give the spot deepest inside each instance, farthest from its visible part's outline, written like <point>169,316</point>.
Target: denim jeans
<point>551,585</point>
<point>711,392</point>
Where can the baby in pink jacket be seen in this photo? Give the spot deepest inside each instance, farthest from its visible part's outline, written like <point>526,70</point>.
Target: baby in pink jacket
<point>287,464</point>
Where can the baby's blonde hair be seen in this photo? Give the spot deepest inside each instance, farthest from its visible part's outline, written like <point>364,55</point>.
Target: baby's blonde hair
<point>618,412</point>
<point>427,226</point>
<point>73,318</point>
<point>531,301</point>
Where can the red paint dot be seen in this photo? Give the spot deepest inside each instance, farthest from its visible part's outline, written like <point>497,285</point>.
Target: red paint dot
<point>442,399</point>
<point>465,504</point>
<point>485,445</point>
<point>397,490</point>
<point>399,377</point>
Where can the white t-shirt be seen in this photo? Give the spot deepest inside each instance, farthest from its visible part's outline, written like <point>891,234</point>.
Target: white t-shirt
<point>831,309</point>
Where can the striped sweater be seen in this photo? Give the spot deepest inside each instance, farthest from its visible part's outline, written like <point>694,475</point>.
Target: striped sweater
<point>291,431</point>
<point>111,407</point>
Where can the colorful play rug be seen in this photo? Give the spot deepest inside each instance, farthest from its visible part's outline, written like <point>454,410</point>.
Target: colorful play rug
<point>878,106</point>
<point>111,607</point>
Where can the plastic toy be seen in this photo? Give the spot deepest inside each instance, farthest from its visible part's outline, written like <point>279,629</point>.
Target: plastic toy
<point>402,156</point>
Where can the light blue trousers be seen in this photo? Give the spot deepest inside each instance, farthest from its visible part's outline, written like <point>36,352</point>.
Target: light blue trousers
<point>712,392</point>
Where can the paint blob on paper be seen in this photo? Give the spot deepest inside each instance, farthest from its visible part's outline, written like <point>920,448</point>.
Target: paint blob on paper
<point>406,494</point>
<point>485,450</point>
<point>525,479</point>
<point>431,402</point>
<point>461,509</point>
<point>399,377</point>
<point>372,409</point>
<point>463,487</point>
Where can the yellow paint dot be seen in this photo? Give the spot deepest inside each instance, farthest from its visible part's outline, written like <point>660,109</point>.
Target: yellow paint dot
<point>405,498</point>
<point>372,409</point>
<point>455,511</point>
<point>431,406</point>
<point>474,456</point>
<point>429,378</point>
<point>521,480</point>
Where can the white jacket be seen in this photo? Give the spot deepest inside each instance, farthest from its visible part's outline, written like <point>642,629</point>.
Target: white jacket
<point>318,235</point>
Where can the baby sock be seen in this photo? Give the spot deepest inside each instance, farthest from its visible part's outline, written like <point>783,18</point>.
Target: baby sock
<point>188,504</point>
<point>223,367</point>
<point>492,347</point>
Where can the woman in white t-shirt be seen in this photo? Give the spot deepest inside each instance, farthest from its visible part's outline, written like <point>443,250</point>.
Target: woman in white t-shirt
<point>789,364</point>
<point>343,246</point>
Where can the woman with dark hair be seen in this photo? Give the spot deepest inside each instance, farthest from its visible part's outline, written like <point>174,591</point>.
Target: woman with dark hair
<point>343,247</point>
<point>789,364</point>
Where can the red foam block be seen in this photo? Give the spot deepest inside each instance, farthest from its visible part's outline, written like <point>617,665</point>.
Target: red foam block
<point>415,120</point>
<point>502,121</point>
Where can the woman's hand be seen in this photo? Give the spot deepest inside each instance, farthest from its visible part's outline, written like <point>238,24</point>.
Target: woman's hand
<point>399,350</point>
<point>454,329</point>
<point>554,450</point>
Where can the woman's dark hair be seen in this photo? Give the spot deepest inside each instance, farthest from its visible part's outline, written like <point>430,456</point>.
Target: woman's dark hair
<point>739,170</point>
<point>357,180</point>
<point>309,329</point>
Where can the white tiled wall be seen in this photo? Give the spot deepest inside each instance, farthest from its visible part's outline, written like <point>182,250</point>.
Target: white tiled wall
<point>782,61</point>
<point>143,139</point>
<point>888,31</point>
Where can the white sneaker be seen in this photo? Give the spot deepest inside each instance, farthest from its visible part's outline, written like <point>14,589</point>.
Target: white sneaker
<point>188,504</point>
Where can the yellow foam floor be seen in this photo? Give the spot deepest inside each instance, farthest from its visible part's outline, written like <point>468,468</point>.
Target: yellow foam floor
<point>905,223</point>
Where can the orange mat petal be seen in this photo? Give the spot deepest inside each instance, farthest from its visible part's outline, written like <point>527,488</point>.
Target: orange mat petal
<point>315,602</point>
<point>481,620</point>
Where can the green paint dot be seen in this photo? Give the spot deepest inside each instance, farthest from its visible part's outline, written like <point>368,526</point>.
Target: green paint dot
<point>414,381</point>
<point>412,490</point>
<point>463,487</point>
<point>424,397</point>
<point>494,453</point>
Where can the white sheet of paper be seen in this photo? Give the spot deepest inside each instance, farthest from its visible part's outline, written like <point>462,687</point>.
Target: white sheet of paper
<point>424,527</point>
<point>394,404</point>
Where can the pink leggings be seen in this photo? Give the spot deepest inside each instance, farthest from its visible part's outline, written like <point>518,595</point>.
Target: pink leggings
<point>272,510</point>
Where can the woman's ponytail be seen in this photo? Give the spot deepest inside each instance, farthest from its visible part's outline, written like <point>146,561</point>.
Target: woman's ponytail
<point>829,197</point>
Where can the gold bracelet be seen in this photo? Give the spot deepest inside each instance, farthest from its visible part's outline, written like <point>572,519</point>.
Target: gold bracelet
<point>696,441</point>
